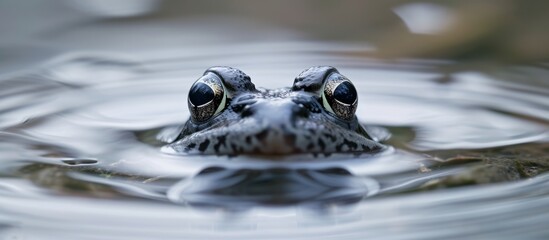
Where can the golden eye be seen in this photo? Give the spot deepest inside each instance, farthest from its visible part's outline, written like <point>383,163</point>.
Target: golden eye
<point>207,97</point>
<point>339,96</point>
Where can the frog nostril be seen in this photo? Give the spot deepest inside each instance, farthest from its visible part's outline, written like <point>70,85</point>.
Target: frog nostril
<point>247,111</point>
<point>300,111</point>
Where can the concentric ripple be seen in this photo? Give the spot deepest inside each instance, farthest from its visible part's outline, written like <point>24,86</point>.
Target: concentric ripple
<point>81,139</point>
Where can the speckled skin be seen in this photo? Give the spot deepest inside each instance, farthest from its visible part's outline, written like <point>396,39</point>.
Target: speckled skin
<point>280,121</point>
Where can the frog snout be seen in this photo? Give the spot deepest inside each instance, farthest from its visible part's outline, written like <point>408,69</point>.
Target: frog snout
<point>277,112</point>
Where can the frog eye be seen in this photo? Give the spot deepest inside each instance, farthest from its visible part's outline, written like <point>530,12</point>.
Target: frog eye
<point>339,96</point>
<point>207,97</point>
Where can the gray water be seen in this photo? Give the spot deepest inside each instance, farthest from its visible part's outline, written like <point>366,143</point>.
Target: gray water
<point>81,139</point>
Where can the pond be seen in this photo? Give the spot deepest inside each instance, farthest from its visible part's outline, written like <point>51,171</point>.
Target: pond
<point>92,93</point>
<point>83,157</point>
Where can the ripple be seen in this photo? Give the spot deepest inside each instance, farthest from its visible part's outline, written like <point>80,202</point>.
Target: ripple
<point>475,211</point>
<point>81,141</point>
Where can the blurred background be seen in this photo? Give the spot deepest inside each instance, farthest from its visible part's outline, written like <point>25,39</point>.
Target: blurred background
<point>475,33</point>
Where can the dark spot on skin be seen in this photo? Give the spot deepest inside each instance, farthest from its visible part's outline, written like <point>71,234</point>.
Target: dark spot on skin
<point>330,136</point>
<point>321,144</point>
<point>248,139</point>
<point>234,147</point>
<point>220,141</point>
<point>290,139</point>
<point>204,145</point>
<point>262,135</point>
<point>191,146</point>
<point>376,148</point>
<point>364,147</point>
<point>310,146</point>
<point>352,145</point>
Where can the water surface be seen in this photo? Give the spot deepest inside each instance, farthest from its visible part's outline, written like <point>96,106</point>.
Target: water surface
<point>81,141</point>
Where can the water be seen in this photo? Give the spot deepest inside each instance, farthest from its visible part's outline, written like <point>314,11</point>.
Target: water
<point>82,157</point>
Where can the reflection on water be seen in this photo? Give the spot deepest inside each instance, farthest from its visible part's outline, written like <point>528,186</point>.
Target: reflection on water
<point>81,140</point>
<point>274,186</point>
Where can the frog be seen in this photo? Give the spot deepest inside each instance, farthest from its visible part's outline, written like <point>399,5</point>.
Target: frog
<point>229,115</point>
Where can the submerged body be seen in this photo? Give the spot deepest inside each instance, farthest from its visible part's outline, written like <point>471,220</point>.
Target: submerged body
<point>230,116</point>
